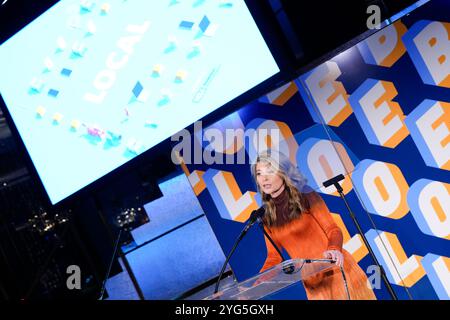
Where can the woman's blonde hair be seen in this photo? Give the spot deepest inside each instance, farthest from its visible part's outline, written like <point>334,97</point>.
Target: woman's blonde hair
<point>295,185</point>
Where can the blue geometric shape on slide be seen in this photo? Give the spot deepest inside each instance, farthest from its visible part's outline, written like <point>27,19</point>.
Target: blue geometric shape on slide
<point>53,93</point>
<point>163,102</point>
<point>177,262</point>
<point>178,205</point>
<point>173,2</point>
<point>226,5</point>
<point>204,24</point>
<point>66,72</point>
<point>198,3</point>
<point>137,89</point>
<point>186,25</point>
<point>193,54</point>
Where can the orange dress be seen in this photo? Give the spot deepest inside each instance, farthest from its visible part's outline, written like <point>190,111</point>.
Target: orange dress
<point>308,237</point>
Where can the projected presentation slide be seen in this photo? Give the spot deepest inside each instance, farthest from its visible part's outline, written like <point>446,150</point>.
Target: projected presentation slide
<point>92,84</point>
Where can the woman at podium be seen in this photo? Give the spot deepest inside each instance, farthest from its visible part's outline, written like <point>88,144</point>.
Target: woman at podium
<point>298,220</point>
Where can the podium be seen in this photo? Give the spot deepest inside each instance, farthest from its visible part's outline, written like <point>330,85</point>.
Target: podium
<point>275,279</point>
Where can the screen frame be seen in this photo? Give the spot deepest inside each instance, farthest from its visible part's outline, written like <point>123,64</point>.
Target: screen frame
<point>281,53</point>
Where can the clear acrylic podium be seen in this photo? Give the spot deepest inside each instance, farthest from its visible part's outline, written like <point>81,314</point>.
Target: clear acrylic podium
<point>283,275</point>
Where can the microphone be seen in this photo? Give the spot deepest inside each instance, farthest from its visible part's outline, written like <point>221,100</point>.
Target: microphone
<point>335,181</point>
<point>254,216</point>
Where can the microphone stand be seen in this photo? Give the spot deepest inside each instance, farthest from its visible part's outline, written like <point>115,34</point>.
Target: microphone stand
<point>255,216</point>
<point>110,265</point>
<point>335,181</point>
<point>243,233</point>
<point>286,269</point>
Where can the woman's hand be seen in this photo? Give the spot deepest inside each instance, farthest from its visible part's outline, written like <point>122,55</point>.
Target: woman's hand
<point>336,256</point>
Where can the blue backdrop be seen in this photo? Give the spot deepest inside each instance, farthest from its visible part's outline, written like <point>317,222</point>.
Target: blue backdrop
<point>379,113</point>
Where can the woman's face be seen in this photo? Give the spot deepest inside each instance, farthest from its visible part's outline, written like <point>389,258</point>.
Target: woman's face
<point>268,180</point>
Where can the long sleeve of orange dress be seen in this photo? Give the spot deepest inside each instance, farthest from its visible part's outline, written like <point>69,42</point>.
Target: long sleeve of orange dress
<point>273,258</point>
<point>308,237</point>
<point>321,214</point>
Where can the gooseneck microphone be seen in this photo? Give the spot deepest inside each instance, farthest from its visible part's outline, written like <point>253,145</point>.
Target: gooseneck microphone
<point>254,216</point>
